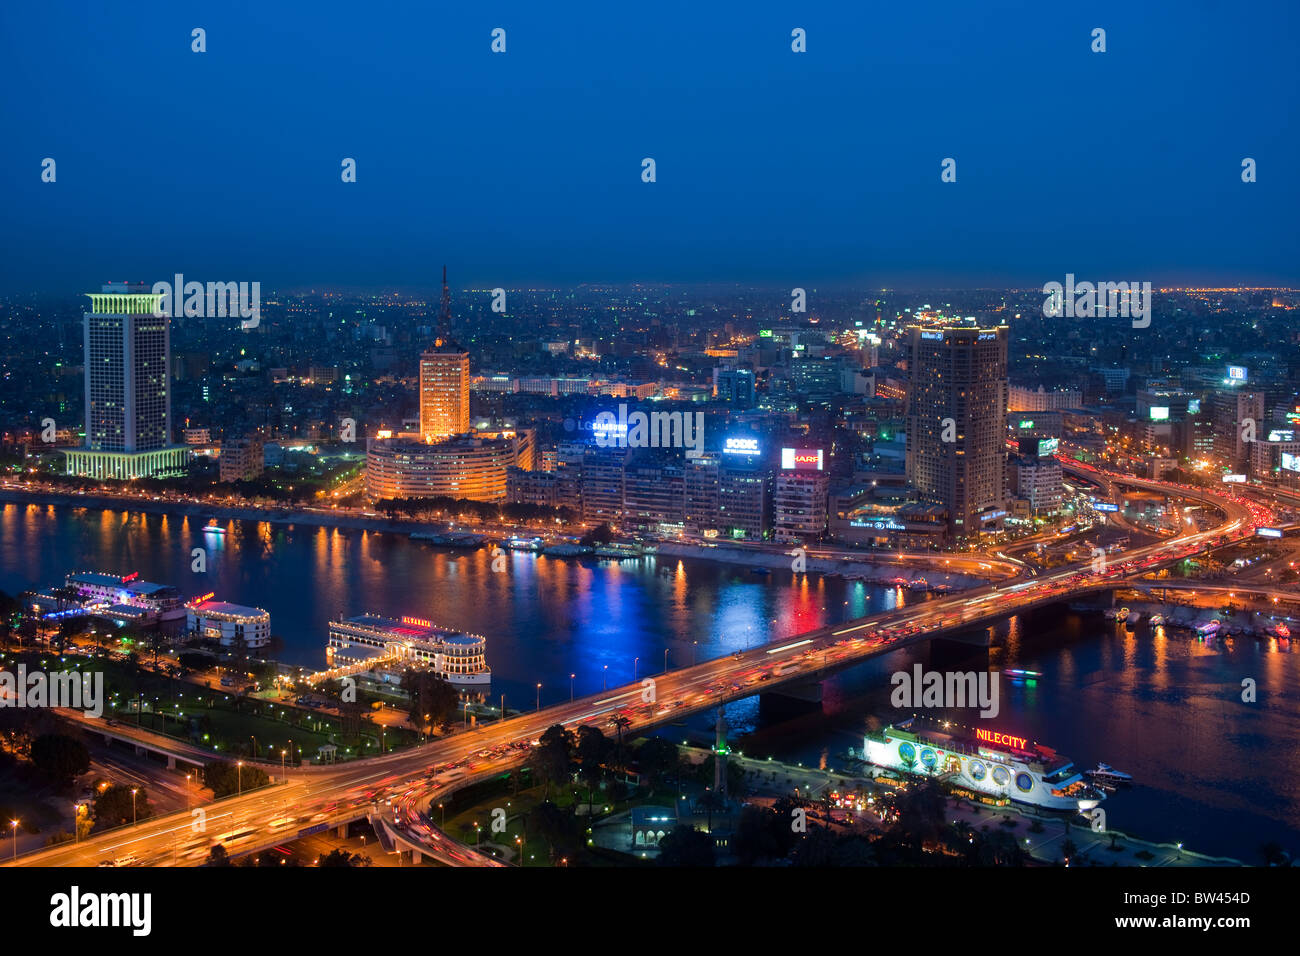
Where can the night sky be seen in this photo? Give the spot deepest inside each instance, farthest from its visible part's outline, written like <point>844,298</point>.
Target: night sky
<point>525,168</point>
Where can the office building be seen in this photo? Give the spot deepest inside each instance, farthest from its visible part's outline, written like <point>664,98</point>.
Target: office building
<point>956,421</point>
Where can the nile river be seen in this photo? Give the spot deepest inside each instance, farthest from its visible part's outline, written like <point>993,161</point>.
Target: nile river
<point>1218,774</point>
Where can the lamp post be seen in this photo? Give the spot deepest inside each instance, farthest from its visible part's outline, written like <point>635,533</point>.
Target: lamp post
<point>13,825</point>
<point>503,708</point>
<point>665,660</point>
<point>443,808</point>
<point>539,696</point>
<point>694,645</point>
<point>604,674</point>
<point>635,662</point>
<point>571,676</point>
<point>239,779</point>
<point>133,817</point>
<point>282,753</point>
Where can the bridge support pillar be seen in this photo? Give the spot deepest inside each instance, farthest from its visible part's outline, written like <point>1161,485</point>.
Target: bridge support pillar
<point>171,762</point>
<point>139,751</point>
<point>343,831</point>
<point>791,700</point>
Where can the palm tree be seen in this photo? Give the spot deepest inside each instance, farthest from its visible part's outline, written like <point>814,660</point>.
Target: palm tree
<point>619,723</point>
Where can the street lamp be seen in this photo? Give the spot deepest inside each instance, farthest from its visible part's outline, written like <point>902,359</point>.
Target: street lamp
<point>282,753</point>
<point>665,660</point>
<point>239,779</point>
<point>503,708</point>
<point>443,808</point>
<point>603,675</point>
<point>635,662</point>
<point>133,819</point>
<point>571,676</point>
<point>13,825</point>
<point>539,696</point>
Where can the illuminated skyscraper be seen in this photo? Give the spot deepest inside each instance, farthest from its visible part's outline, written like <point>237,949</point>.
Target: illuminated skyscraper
<point>956,423</point>
<point>128,396</point>
<point>444,380</point>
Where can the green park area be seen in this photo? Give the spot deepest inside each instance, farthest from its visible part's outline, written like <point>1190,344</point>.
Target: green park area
<point>230,724</point>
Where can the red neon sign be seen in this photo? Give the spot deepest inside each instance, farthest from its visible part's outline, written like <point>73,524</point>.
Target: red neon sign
<point>417,622</point>
<point>203,597</point>
<point>131,577</point>
<point>1006,740</point>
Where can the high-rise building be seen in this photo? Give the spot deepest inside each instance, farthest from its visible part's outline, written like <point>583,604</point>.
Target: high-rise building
<point>1238,417</point>
<point>128,394</point>
<point>799,505</point>
<point>444,380</point>
<point>956,414</point>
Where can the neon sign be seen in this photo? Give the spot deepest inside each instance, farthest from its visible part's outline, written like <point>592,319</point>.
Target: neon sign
<point>1006,740</point>
<point>802,459</point>
<point>131,577</point>
<point>741,446</point>
<point>203,597</point>
<point>416,622</point>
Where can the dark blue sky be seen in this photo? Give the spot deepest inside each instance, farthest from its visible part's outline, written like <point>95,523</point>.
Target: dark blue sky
<point>773,167</point>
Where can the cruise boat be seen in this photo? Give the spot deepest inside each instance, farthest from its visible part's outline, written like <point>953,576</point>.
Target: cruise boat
<point>390,645</point>
<point>984,761</point>
<point>213,528</point>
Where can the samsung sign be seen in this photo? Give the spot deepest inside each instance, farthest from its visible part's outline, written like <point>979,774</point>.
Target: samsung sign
<point>741,446</point>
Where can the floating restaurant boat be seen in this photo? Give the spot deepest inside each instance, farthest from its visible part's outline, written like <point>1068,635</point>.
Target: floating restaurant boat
<point>123,598</point>
<point>213,528</point>
<point>983,761</point>
<point>393,644</point>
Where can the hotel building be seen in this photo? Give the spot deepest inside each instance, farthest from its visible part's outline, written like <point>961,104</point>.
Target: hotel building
<point>957,389</point>
<point>127,395</point>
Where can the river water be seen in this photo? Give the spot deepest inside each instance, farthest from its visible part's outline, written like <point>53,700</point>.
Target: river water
<point>1218,774</point>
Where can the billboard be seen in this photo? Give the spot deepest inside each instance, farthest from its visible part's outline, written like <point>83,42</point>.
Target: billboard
<point>1105,506</point>
<point>741,446</point>
<point>1233,478</point>
<point>1194,406</point>
<point>1268,532</point>
<point>1290,462</point>
<point>1048,446</point>
<point>1160,413</point>
<point>802,459</point>
<point>1236,373</point>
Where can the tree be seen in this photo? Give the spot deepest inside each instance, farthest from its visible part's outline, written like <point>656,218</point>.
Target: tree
<point>60,758</point>
<point>117,805</point>
<point>218,856</point>
<point>657,757</point>
<point>686,846</point>
<point>592,751</point>
<point>225,778</point>
<point>433,700</point>
<point>550,758</point>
